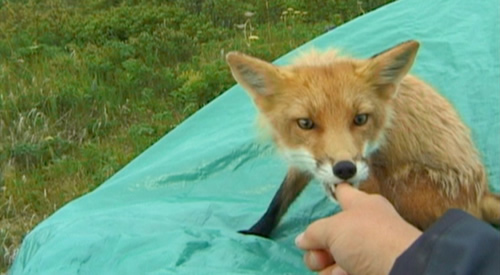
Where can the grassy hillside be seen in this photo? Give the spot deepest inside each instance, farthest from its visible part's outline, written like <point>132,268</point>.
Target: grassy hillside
<point>85,86</point>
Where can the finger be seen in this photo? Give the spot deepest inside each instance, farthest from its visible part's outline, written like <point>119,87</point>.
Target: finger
<point>346,195</point>
<point>318,259</point>
<point>327,271</point>
<point>318,235</point>
<point>333,270</point>
<point>337,270</point>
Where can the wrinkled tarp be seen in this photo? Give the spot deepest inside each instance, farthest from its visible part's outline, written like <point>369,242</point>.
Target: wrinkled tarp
<point>176,208</point>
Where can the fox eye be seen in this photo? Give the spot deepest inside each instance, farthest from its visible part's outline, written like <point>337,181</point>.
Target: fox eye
<point>360,119</point>
<point>305,123</point>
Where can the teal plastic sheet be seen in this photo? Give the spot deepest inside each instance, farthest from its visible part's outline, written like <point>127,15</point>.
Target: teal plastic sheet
<point>176,208</point>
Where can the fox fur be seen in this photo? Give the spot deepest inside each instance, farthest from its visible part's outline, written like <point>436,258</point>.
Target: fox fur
<point>366,122</point>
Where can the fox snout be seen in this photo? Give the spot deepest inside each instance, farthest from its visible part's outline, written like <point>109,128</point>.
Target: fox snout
<point>329,170</point>
<point>344,169</point>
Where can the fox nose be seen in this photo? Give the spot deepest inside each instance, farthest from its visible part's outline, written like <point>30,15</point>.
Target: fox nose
<point>344,169</point>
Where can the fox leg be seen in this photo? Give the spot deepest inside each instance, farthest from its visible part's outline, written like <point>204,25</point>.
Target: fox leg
<point>490,208</point>
<point>292,185</point>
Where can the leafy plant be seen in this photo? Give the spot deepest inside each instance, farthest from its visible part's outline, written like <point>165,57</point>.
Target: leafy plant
<point>85,86</point>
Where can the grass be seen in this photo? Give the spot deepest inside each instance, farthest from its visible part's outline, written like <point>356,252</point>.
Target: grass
<point>86,86</point>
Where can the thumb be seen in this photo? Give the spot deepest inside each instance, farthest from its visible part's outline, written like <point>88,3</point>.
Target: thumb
<point>346,195</point>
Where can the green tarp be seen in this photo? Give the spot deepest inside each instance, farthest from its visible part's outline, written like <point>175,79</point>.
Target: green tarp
<point>176,208</point>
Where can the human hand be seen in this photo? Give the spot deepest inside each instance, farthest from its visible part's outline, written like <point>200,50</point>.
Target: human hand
<point>365,238</point>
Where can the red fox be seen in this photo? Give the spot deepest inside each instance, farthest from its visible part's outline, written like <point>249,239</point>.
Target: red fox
<point>371,124</point>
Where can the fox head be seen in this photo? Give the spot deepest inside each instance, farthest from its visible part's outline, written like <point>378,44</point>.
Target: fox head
<point>326,114</point>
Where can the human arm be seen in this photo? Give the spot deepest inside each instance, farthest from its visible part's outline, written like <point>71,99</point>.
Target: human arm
<point>456,244</point>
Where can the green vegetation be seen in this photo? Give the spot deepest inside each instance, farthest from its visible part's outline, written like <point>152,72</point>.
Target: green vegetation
<point>85,86</point>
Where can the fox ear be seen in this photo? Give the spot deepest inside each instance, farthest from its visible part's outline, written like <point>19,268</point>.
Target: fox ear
<point>388,68</point>
<point>258,77</point>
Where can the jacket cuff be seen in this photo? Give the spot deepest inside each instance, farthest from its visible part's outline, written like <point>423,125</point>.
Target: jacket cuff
<point>417,257</point>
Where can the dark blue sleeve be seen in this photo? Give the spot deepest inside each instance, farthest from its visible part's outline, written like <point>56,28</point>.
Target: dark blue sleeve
<point>456,244</point>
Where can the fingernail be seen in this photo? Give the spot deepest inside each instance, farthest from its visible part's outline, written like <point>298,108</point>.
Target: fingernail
<point>299,238</point>
<point>338,271</point>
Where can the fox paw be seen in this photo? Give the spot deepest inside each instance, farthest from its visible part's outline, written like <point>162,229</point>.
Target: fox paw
<point>255,233</point>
